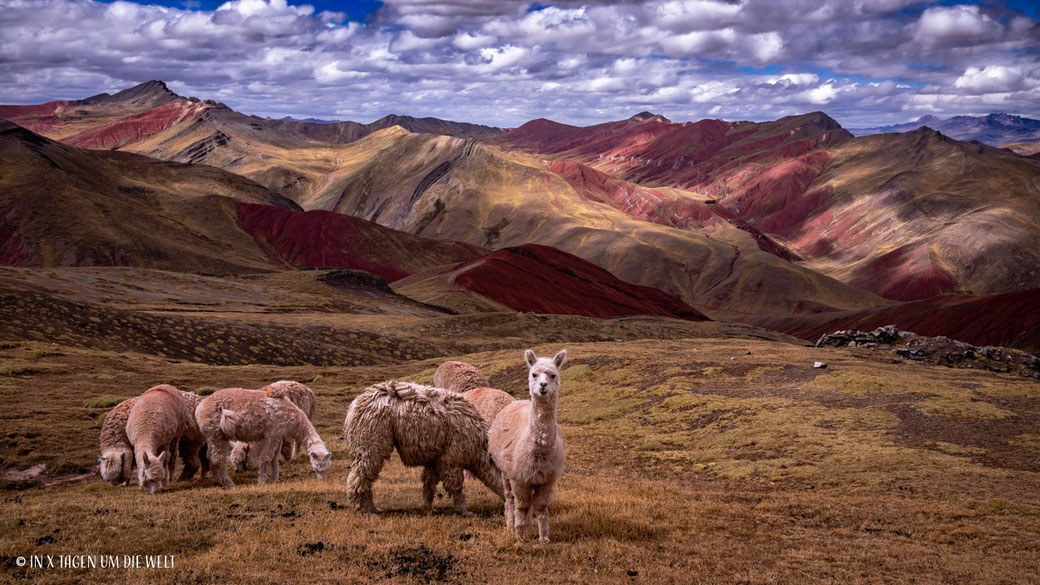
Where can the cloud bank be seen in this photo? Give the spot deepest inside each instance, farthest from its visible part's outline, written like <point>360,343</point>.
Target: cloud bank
<point>865,62</point>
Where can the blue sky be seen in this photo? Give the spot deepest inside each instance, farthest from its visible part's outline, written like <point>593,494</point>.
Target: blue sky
<point>864,62</point>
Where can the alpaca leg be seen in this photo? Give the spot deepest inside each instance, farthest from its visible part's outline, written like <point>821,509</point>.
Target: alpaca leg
<point>218,450</point>
<point>189,453</point>
<point>522,508</point>
<point>267,452</point>
<point>429,487</point>
<point>543,496</point>
<point>127,467</point>
<point>289,449</point>
<point>508,496</point>
<point>171,461</point>
<point>203,457</point>
<point>453,482</point>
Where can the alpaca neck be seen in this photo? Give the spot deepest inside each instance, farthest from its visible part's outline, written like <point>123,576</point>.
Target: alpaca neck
<point>304,433</point>
<point>542,425</point>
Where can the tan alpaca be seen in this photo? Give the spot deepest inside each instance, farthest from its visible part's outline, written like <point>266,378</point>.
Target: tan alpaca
<point>527,445</point>
<point>117,453</point>
<point>430,427</point>
<point>458,377</point>
<point>252,416</point>
<point>155,423</point>
<point>242,457</point>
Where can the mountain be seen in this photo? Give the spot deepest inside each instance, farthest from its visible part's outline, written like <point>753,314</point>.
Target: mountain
<point>993,129</point>
<point>65,206</point>
<point>905,216</point>
<point>121,120</point>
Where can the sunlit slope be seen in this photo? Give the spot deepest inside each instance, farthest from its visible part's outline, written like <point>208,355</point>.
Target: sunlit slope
<point>917,214</point>
<point>65,206</point>
<point>455,189</point>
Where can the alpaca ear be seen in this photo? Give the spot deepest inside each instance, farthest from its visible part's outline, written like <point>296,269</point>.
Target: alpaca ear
<point>530,357</point>
<point>163,456</point>
<point>146,458</point>
<point>560,359</point>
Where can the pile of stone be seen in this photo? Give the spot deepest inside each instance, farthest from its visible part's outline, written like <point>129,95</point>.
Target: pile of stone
<point>936,350</point>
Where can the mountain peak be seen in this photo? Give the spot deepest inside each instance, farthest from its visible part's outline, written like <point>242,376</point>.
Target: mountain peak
<point>645,116</point>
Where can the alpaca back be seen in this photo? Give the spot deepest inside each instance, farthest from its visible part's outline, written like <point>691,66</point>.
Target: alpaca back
<point>424,423</point>
<point>252,404</point>
<point>459,377</point>
<point>297,393</point>
<point>156,417</point>
<point>488,401</point>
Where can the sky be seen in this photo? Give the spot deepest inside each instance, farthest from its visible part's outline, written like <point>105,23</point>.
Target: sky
<point>864,62</point>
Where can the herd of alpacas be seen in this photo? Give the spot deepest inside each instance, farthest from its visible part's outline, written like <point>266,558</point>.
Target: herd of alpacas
<point>458,425</point>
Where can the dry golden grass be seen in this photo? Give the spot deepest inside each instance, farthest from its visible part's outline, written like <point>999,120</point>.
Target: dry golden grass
<point>688,461</point>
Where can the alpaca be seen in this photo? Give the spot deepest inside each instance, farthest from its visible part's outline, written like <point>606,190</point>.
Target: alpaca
<point>242,458</point>
<point>430,427</point>
<point>254,417</point>
<point>117,453</point>
<point>527,445</point>
<point>155,423</point>
<point>458,377</point>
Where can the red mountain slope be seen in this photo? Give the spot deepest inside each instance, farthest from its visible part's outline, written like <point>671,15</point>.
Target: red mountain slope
<point>542,279</point>
<point>1008,319</point>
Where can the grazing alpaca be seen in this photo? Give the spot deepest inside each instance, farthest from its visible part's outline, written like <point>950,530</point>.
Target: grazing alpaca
<point>252,416</point>
<point>430,427</point>
<point>117,453</point>
<point>458,377</point>
<point>527,445</point>
<point>154,426</point>
<point>242,457</point>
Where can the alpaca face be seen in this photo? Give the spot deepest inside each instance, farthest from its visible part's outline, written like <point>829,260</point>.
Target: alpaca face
<point>321,461</point>
<point>240,456</point>
<point>153,475</point>
<point>111,464</point>
<point>544,375</point>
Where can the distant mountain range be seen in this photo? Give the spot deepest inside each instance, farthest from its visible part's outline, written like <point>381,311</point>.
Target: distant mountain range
<point>793,223</point>
<point>994,129</point>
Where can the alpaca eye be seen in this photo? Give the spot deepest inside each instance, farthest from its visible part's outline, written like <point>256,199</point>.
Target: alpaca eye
<point>553,376</point>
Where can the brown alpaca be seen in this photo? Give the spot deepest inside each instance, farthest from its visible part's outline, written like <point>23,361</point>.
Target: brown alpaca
<point>192,443</point>
<point>458,377</point>
<point>430,427</point>
<point>527,445</point>
<point>155,423</point>
<point>252,416</point>
<point>242,457</point>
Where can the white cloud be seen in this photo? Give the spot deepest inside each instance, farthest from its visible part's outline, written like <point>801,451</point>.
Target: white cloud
<point>990,79</point>
<point>956,25</point>
<point>578,61</point>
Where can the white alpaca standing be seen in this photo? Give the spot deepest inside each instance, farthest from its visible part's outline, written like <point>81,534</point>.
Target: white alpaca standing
<point>527,445</point>
<point>430,427</point>
<point>251,416</point>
